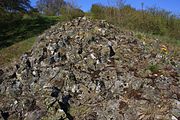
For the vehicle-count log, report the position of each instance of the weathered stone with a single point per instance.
(89, 70)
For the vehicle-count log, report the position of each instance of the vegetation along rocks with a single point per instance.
(89, 70)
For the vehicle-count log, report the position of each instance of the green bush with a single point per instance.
(34, 13)
(71, 13)
(6, 18)
(26, 16)
(153, 20)
(98, 11)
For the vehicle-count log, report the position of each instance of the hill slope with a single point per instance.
(19, 36)
(90, 70)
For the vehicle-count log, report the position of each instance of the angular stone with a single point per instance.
(89, 69)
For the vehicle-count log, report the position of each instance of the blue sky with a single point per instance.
(170, 5)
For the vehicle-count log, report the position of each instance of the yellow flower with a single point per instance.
(164, 49)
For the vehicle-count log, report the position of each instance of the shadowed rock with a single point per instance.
(55, 92)
(71, 73)
(5, 114)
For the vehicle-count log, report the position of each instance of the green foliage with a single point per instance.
(98, 11)
(26, 16)
(154, 68)
(13, 10)
(24, 28)
(19, 36)
(7, 19)
(9, 54)
(68, 9)
(34, 12)
(139, 36)
(153, 20)
(71, 13)
(50, 7)
(15, 5)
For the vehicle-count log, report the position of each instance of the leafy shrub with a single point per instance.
(26, 16)
(71, 13)
(98, 11)
(6, 19)
(34, 13)
(153, 20)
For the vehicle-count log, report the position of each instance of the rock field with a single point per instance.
(90, 70)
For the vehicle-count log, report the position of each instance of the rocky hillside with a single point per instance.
(90, 70)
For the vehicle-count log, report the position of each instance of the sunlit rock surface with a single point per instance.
(90, 70)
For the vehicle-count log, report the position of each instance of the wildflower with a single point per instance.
(164, 49)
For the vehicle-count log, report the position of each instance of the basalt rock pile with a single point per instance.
(90, 70)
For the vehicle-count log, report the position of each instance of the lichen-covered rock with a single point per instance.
(90, 70)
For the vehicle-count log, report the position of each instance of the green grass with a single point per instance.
(25, 28)
(164, 39)
(153, 68)
(13, 52)
(19, 36)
